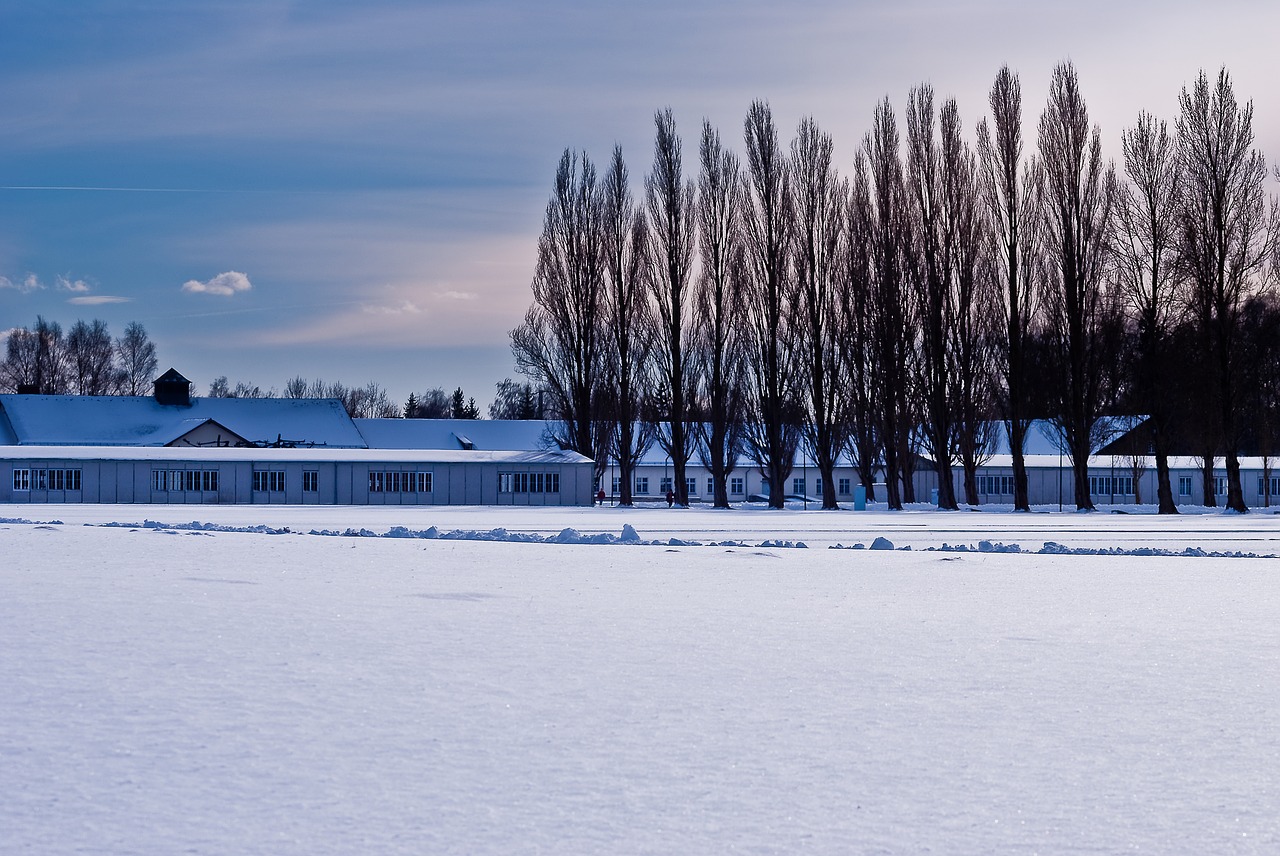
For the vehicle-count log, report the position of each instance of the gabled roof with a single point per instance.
(172, 376)
(478, 434)
(1043, 438)
(126, 420)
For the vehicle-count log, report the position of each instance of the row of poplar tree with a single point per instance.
(901, 308)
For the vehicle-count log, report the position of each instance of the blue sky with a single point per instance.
(354, 191)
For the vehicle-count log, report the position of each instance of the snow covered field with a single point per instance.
(168, 690)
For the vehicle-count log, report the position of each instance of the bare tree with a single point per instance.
(221, 387)
(1145, 262)
(1079, 194)
(672, 220)
(893, 312)
(773, 405)
(136, 357)
(861, 360)
(18, 371)
(1225, 239)
(628, 324)
(819, 217)
(36, 359)
(718, 344)
(91, 359)
(560, 342)
(973, 341)
(940, 202)
(511, 400)
(1011, 189)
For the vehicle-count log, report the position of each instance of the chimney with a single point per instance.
(173, 388)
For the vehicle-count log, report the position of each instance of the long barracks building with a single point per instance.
(172, 448)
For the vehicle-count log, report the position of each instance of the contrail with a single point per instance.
(75, 189)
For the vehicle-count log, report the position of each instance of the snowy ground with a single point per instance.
(169, 691)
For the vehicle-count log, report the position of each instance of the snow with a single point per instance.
(281, 455)
(113, 420)
(210, 691)
(483, 434)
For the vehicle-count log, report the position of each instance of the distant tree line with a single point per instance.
(755, 306)
(86, 360)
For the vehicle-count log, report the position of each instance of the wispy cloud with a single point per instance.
(406, 308)
(224, 284)
(78, 286)
(98, 300)
(456, 295)
(26, 285)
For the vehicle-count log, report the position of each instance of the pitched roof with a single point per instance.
(172, 376)
(1044, 438)
(126, 420)
(478, 434)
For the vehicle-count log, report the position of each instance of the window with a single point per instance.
(995, 485)
(192, 480)
(39, 479)
(843, 485)
(521, 482)
(691, 486)
(711, 486)
(22, 479)
(268, 481)
(1184, 485)
(665, 485)
(817, 486)
(736, 486)
(310, 481)
(394, 481)
(797, 486)
(1273, 483)
(617, 485)
(1111, 485)
(1219, 485)
(642, 485)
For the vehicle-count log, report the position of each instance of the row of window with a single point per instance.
(397, 482)
(1111, 485)
(737, 485)
(995, 485)
(46, 479)
(528, 482)
(269, 481)
(193, 480)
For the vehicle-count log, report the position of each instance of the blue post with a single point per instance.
(860, 498)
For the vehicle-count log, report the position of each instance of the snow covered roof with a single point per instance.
(479, 434)
(208, 454)
(1043, 437)
(7, 437)
(1121, 463)
(125, 420)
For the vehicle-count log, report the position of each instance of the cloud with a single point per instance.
(26, 285)
(456, 295)
(406, 308)
(224, 284)
(78, 286)
(98, 300)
